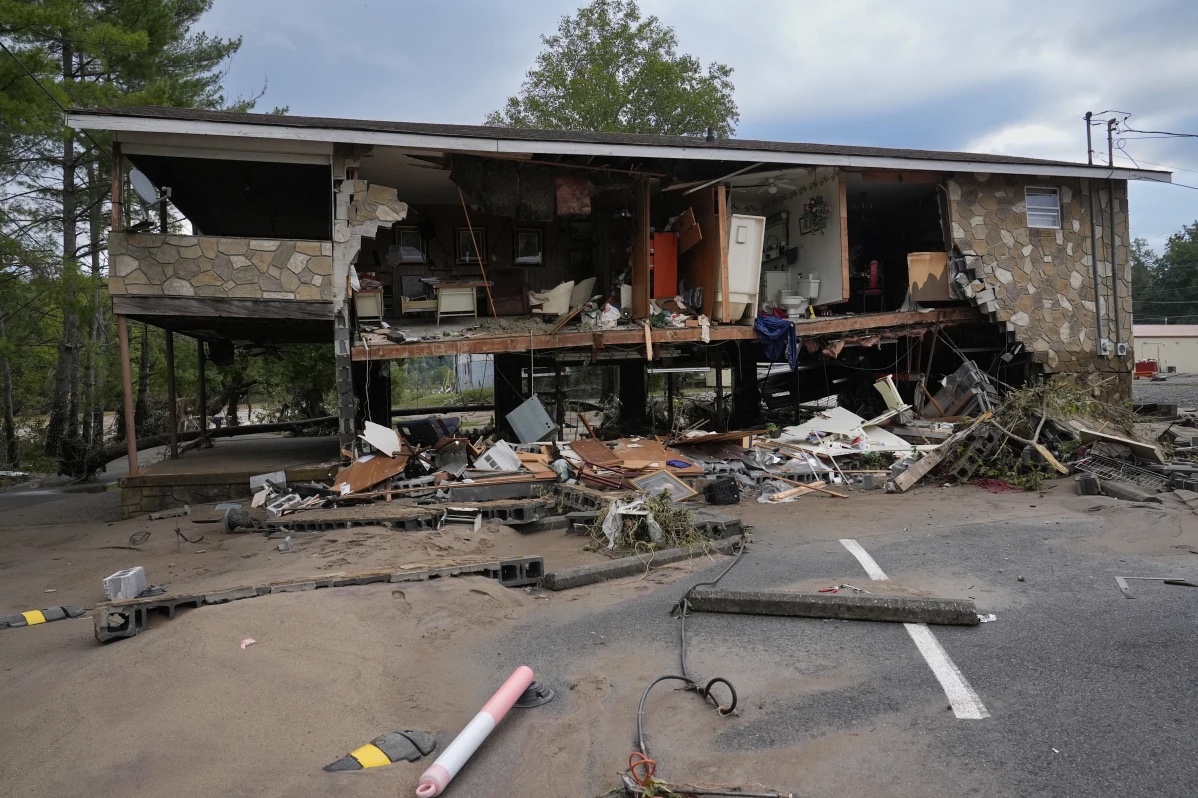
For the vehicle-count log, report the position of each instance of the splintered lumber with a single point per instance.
(895, 609)
(803, 487)
(920, 468)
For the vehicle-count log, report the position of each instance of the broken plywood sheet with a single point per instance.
(641, 453)
(1141, 449)
(385, 439)
(368, 471)
(595, 452)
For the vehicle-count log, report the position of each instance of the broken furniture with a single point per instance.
(455, 297)
(553, 302)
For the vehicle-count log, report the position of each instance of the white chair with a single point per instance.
(553, 302)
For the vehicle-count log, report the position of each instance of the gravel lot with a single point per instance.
(1178, 389)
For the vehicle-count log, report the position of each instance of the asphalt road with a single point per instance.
(1089, 693)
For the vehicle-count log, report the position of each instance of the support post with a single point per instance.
(633, 392)
(345, 379)
(746, 393)
(560, 392)
(118, 183)
(507, 387)
(122, 331)
(720, 425)
(202, 359)
(640, 252)
(670, 401)
(172, 396)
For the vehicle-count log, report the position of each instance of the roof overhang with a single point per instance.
(250, 132)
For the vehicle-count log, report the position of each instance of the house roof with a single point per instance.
(151, 119)
(1165, 330)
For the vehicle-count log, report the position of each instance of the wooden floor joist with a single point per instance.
(635, 336)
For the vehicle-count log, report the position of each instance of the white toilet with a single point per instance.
(806, 290)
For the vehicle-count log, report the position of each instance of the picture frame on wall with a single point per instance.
(806, 225)
(465, 245)
(528, 247)
(410, 246)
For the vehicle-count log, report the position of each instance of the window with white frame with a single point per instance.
(1043, 208)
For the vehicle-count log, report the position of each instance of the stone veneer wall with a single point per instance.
(1039, 283)
(206, 266)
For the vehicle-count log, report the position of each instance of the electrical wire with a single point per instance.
(688, 681)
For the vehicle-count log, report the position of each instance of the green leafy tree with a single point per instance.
(1165, 287)
(608, 69)
(71, 53)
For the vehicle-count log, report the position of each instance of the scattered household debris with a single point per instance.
(249, 641)
(1121, 581)
(125, 618)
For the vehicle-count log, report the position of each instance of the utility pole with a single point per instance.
(1089, 138)
(1110, 141)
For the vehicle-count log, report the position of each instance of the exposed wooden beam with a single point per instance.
(815, 328)
(122, 332)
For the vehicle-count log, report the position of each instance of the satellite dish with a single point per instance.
(145, 189)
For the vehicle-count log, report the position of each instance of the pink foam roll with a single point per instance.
(434, 780)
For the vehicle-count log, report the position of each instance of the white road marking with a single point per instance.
(964, 699)
(867, 562)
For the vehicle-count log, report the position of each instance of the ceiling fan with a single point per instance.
(772, 185)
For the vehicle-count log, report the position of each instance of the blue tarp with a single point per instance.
(777, 337)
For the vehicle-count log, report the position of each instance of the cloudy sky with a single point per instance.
(1010, 77)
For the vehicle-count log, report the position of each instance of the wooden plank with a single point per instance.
(640, 252)
(689, 233)
(636, 337)
(217, 307)
(595, 452)
(721, 212)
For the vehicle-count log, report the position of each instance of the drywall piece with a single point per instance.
(385, 439)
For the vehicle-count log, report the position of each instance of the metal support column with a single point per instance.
(172, 396)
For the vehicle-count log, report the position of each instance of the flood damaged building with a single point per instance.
(634, 252)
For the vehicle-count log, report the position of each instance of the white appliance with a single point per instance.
(806, 290)
(746, 241)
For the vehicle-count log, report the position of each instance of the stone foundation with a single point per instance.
(224, 268)
(1039, 283)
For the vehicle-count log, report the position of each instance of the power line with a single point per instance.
(61, 107)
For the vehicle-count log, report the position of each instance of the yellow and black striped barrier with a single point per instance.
(392, 747)
(34, 617)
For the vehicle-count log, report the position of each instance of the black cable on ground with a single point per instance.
(688, 681)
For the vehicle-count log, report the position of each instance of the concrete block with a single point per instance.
(631, 566)
(1088, 485)
(1117, 489)
(894, 609)
(125, 584)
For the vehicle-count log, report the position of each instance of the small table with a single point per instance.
(456, 298)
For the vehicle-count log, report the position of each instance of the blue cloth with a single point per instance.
(777, 337)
